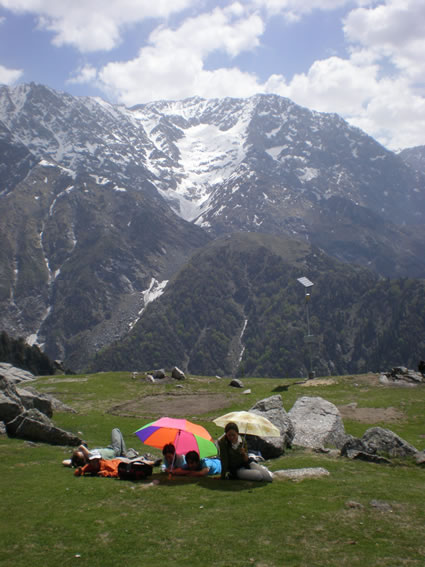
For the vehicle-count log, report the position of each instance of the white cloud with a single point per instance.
(9, 76)
(92, 25)
(393, 30)
(173, 64)
(292, 10)
(85, 74)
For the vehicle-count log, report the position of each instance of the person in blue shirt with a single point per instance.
(199, 467)
(171, 460)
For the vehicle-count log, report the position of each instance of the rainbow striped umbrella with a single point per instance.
(183, 434)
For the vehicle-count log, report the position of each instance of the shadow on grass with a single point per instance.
(211, 483)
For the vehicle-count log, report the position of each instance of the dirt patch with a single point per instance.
(173, 405)
(318, 382)
(371, 415)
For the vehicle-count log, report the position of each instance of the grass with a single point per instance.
(51, 518)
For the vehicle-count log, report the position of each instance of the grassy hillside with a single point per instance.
(51, 518)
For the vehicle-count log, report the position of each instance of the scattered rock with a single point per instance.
(353, 504)
(235, 383)
(247, 391)
(420, 458)
(300, 474)
(177, 374)
(401, 376)
(159, 374)
(380, 505)
(317, 423)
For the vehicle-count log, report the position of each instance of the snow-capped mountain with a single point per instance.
(98, 199)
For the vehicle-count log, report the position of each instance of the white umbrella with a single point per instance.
(249, 423)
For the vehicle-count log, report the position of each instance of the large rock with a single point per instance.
(10, 402)
(272, 409)
(33, 399)
(15, 375)
(177, 374)
(35, 426)
(401, 376)
(379, 440)
(376, 444)
(317, 423)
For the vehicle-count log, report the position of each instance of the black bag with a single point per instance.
(136, 470)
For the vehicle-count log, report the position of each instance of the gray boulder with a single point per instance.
(235, 383)
(376, 444)
(177, 374)
(401, 376)
(379, 440)
(33, 399)
(317, 423)
(159, 374)
(15, 375)
(272, 409)
(35, 426)
(10, 402)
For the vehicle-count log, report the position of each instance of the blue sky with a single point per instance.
(362, 59)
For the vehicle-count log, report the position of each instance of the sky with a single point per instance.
(361, 59)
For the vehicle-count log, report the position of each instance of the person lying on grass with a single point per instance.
(117, 448)
(171, 459)
(199, 467)
(108, 467)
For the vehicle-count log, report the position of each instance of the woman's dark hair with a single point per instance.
(77, 459)
(230, 426)
(168, 448)
(192, 457)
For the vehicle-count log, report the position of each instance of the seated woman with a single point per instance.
(235, 463)
(199, 467)
(171, 459)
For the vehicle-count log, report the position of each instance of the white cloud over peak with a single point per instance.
(173, 64)
(9, 76)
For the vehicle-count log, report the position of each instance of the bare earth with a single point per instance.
(371, 415)
(173, 405)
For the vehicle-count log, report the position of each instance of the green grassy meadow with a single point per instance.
(51, 518)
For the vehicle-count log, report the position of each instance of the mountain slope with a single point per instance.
(78, 254)
(261, 164)
(237, 308)
(100, 204)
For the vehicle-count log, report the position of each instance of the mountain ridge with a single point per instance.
(101, 203)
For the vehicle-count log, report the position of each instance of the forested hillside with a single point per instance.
(238, 309)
